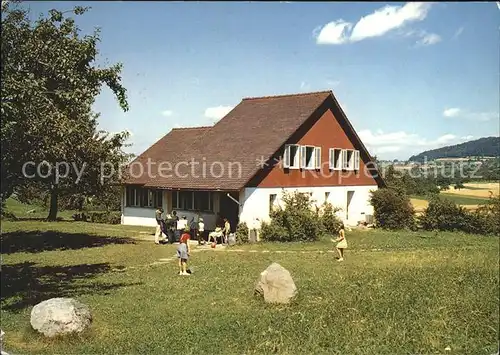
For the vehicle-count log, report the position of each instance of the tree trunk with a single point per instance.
(53, 203)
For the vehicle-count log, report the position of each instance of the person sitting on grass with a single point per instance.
(341, 243)
(183, 251)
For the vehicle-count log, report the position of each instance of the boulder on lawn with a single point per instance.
(276, 285)
(60, 316)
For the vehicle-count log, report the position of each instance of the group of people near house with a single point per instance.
(171, 228)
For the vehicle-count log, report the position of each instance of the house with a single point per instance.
(240, 166)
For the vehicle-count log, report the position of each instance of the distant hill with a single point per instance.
(482, 147)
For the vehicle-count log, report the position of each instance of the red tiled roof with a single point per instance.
(254, 130)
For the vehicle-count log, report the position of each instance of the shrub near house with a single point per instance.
(392, 209)
(299, 220)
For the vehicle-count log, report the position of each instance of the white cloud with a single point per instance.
(334, 32)
(167, 113)
(216, 113)
(466, 138)
(388, 149)
(422, 38)
(446, 138)
(451, 112)
(389, 18)
(176, 125)
(305, 86)
(376, 24)
(428, 39)
(458, 32)
(409, 143)
(456, 112)
(333, 83)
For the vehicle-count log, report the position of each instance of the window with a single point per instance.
(335, 159)
(307, 157)
(348, 157)
(141, 197)
(202, 201)
(301, 156)
(291, 156)
(193, 200)
(185, 200)
(272, 201)
(327, 195)
(352, 159)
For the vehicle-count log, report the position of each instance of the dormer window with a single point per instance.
(301, 157)
(291, 158)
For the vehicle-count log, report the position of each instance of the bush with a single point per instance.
(297, 221)
(392, 209)
(487, 217)
(273, 232)
(329, 221)
(7, 215)
(242, 233)
(111, 217)
(80, 217)
(445, 215)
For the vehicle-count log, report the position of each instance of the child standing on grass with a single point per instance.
(183, 251)
(341, 243)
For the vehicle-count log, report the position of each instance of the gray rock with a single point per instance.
(59, 316)
(276, 285)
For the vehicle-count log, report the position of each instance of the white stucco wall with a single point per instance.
(255, 202)
(135, 216)
(140, 216)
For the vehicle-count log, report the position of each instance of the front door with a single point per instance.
(230, 209)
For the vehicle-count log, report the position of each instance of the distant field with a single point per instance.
(472, 195)
(477, 189)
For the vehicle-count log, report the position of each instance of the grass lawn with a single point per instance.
(396, 293)
(25, 211)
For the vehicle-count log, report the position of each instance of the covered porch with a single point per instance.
(139, 205)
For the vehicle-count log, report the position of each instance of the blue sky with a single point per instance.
(411, 76)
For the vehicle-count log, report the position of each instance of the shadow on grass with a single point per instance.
(37, 241)
(26, 284)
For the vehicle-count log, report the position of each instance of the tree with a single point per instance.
(49, 83)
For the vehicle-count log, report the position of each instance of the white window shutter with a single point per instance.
(286, 157)
(317, 157)
(344, 159)
(356, 160)
(331, 157)
(303, 156)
